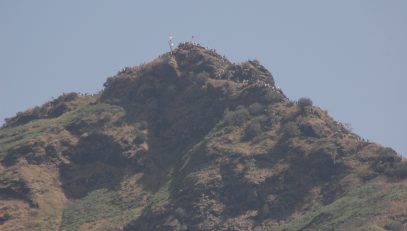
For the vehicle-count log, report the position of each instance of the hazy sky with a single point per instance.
(348, 56)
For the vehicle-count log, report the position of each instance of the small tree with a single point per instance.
(304, 102)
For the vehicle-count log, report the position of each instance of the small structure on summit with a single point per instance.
(191, 43)
(170, 42)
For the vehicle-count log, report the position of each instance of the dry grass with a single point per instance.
(47, 193)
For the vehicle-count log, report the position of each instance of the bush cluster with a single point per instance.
(399, 170)
(273, 97)
(237, 117)
(304, 102)
(253, 130)
(291, 129)
(389, 163)
(256, 109)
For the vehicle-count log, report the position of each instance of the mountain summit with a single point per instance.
(191, 141)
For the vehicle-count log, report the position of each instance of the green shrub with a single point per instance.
(256, 108)
(386, 151)
(67, 97)
(253, 130)
(400, 170)
(291, 129)
(237, 117)
(389, 163)
(272, 97)
(304, 102)
(109, 82)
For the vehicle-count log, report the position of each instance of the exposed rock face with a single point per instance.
(192, 141)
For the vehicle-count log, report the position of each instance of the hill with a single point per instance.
(191, 141)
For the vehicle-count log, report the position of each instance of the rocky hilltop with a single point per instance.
(191, 141)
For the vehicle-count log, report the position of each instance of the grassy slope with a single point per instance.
(105, 210)
(14, 136)
(100, 210)
(358, 209)
(366, 207)
(41, 179)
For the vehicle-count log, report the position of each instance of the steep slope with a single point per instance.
(191, 141)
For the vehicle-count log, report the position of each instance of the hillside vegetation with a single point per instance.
(191, 141)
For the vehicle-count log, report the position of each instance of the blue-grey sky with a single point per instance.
(348, 56)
